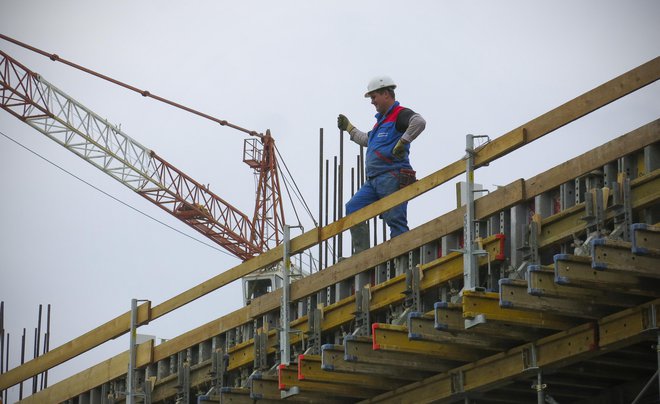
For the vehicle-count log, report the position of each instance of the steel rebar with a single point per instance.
(320, 246)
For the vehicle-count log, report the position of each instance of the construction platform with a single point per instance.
(565, 310)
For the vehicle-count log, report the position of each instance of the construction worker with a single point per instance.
(387, 164)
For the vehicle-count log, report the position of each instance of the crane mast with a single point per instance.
(49, 110)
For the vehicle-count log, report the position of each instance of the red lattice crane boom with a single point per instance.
(49, 110)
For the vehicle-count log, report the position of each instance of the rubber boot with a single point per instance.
(360, 237)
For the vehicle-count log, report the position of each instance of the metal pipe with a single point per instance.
(320, 195)
(646, 387)
(540, 388)
(657, 349)
(384, 230)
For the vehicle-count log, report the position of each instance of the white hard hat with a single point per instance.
(379, 82)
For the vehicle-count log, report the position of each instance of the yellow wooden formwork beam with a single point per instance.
(574, 270)
(388, 337)
(361, 349)
(288, 380)
(617, 256)
(488, 304)
(630, 326)
(333, 359)
(422, 327)
(449, 316)
(309, 368)
(645, 238)
(514, 294)
(541, 282)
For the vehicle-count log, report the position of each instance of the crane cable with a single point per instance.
(145, 93)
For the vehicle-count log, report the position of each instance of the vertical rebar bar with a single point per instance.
(20, 388)
(327, 196)
(334, 212)
(2, 338)
(340, 195)
(37, 346)
(46, 346)
(7, 365)
(352, 181)
(362, 171)
(320, 195)
(132, 354)
(384, 230)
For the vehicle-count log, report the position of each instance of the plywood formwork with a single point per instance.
(434, 355)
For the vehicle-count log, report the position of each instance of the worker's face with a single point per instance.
(382, 101)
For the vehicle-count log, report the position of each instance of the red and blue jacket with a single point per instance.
(382, 139)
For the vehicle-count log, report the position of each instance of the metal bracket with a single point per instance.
(362, 317)
(413, 299)
(183, 381)
(457, 382)
(314, 333)
(261, 350)
(529, 358)
(290, 392)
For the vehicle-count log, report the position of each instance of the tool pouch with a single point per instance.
(406, 177)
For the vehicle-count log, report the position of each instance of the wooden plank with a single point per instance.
(546, 123)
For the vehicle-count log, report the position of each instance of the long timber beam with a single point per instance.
(586, 103)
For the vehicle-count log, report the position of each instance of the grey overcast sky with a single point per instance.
(480, 67)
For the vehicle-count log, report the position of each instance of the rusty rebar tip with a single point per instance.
(54, 57)
(145, 93)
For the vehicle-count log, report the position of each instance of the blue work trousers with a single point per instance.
(375, 189)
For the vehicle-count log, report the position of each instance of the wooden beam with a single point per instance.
(422, 327)
(288, 379)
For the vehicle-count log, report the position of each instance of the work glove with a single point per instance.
(344, 124)
(399, 150)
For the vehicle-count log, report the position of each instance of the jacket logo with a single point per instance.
(381, 134)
